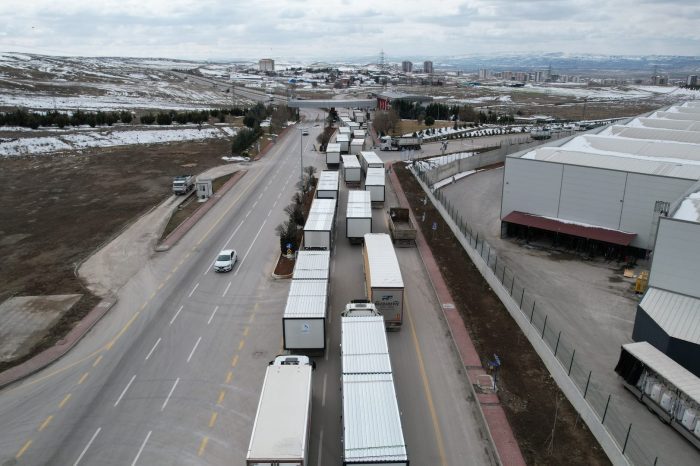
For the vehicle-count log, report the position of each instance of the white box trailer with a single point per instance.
(344, 130)
(360, 116)
(327, 187)
(283, 421)
(369, 159)
(372, 432)
(332, 154)
(357, 146)
(304, 319)
(358, 216)
(344, 141)
(352, 172)
(353, 126)
(375, 183)
(312, 265)
(345, 121)
(359, 134)
(383, 281)
(318, 229)
(363, 345)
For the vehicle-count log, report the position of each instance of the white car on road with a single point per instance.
(225, 260)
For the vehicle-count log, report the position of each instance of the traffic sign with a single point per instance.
(434, 226)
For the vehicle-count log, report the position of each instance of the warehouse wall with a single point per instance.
(591, 195)
(531, 186)
(676, 262)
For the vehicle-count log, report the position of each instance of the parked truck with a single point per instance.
(403, 233)
(283, 421)
(183, 184)
(399, 143)
(383, 281)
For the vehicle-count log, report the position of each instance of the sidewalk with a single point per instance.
(491, 409)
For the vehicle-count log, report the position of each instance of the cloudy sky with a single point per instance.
(336, 29)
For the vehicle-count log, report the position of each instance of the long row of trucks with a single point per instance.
(371, 166)
(347, 141)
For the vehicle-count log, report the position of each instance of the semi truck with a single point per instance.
(399, 143)
(183, 184)
(283, 421)
(403, 233)
(383, 281)
(358, 217)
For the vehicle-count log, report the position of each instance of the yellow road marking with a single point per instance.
(222, 394)
(251, 318)
(162, 284)
(97, 361)
(64, 401)
(212, 420)
(245, 331)
(124, 329)
(82, 378)
(203, 446)
(234, 361)
(45, 423)
(176, 267)
(241, 344)
(229, 376)
(153, 295)
(23, 449)
(426, 387)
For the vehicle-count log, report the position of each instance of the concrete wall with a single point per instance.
(676, 263)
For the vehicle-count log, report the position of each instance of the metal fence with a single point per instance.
(627, 440)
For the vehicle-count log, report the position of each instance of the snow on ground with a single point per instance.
(12, 147)
(487, 130)
(432, 162)
(689, 208)
(600, 93)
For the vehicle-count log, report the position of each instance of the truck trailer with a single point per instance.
(318, 229)
(282, 424)
(183, 184)
(358, 217)
(304, 319)
(399, 143)
(344, 141)
(383, 281)
(332, 154)
(327, 187)
(403, 233)
(375, 183)
(357, 146)
(312, 265)
(352, 172)
(369, 159)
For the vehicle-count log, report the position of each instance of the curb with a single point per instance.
(53, 354)
(499, 430)
(280, 277)
(187, 224)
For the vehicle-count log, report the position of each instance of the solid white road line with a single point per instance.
(193, 290)
(320, 447)
(249, 248)
(249, 212)
(226, 290)
(323, 397)
(126, 388)
(175, 316)
(165, 403)
(194, 348)
(154, 348)
(92, 439)
(143, 445)
(212, 315)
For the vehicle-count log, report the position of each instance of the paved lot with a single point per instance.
(586, 300)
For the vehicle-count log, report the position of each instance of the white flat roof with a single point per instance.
(307, 299)
(674, 115)
(350, 161)
(343, 138)
(321, 215)
(678, 315)
(333, 147)
(311, 265)
(660, 134)
(667, 368)
(357, 142)
(280, 427)
(371, 420)
(375, 176)
(363, 345)
(327, 181)
(384, 269)
(371, 157)
(359, 204)
(642, 122)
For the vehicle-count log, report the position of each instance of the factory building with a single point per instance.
(384, 99)
(266, 65)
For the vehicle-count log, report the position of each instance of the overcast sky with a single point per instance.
(337, 29)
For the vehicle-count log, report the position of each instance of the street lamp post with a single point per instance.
(301, 160)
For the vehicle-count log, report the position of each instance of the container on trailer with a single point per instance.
(344, 141)
(363, 347)
(327, 187)
(357, 146)
(352, 172)
(383, 281)
(283, 421)
(318, 229)
(344, 130)
(375, 183)
(359, 134)
(360, 116)
(353, 126)
(345, 121)
(304, 320)
(369, 159)
(312, 265)
(332, 154)
(358, 217)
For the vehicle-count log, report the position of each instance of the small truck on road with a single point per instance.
(403, 233)
(183, 184)
(400, 143)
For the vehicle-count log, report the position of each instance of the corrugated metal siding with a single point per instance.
(384, 269)
(692, 137)
(375, 177)
(678, 116)
(677, 314)
(333, 147)
(664, 124)
(359, 204)
(311, 265)
(532, 187)
(327, 181)
(307, 299)
(371, 158)
(321, 215)
(350, 161)
(592, 196)
(676, 262)
(371, 420)
(363, 347)
(666, 367)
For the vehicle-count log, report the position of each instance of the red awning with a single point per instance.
(584, 231)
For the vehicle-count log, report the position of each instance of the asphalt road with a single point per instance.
(172, 374)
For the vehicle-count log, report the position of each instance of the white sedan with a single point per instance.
(226, 260)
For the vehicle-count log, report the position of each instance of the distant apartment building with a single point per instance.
(406, 66)
(427, 67)
(484, 74)
(520, 76)
(692, 80)
(266, 65)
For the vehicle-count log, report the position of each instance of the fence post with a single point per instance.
(521, 298)
(503, 276)
(495, 264)
(532, 314)
(488, 258)
(627, 437)
(571, 364)
(545, 325)
(605, 412)
(585, 392)
(556, 347)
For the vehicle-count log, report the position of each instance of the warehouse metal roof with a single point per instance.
(667, 368)
(375, 177)
(371, 420)
(359, 204)
(321, 215)
(327, 181)
(363, 346)
(350, 161)
(639, 149)
(678, 315)
(310, 265)
(384, 269)
(307, 299)
(674, 115)
(570, 228)
(664, 124)
(661, 134)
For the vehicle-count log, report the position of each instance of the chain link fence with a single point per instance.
(632, 447)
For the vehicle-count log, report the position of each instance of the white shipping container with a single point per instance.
(344, 141)
(327, 187)
(363, 347)
(375, 184)
(357, 146)
(332, 154)
(318, 230)
(369, 159)
(359, 134)
(304, 320)
(358, 217)
(312, 265)
(351, 169)
(383, 281)
(344, 130)
(283, 420)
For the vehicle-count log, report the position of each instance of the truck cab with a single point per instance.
(292, 360)
(386, 143)
(360, 308)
